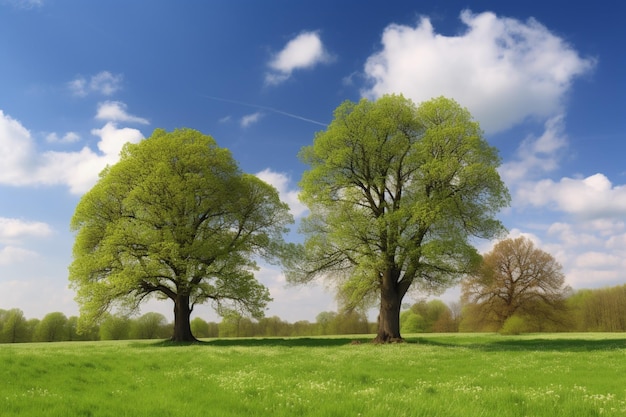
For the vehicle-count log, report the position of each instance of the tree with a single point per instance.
(115, 327)
(13, 326)
(149, 326)
(516, 278)
(52, 328)
(326, 322)
(598, 310)
(432, 312)
(395, 192)
(352, 322)
(411, 322)
(229, 326)
(175, 218)
(199, 327)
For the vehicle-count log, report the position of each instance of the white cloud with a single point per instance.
(304, 51)
(11, 229)
(104, 83)
(537, 155)
(69, 137)
(281, 182)
(593, 197)
(80, 170)
(250, 119)
(21, 163)
(571, 238)
(597, 260)
(503, 70)
(17, 151)
(115, 111)
(24, 4)
(12, 255)
(617, 242)
(592, 252)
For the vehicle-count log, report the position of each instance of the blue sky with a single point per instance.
(546, 81)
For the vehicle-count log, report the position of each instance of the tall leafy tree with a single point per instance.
(175, 218)
(516, 278)
(52, 328)
(13, 326)
(395, 193)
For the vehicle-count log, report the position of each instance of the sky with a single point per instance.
(546, 80)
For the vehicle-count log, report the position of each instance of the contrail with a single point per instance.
(270, 109)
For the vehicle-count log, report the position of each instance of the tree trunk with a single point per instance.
(389, 316)
(182, 324)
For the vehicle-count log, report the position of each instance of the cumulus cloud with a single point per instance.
(69, 137)
(12, 229)
(21, 163)
(593, 197)
(24, 4)
(304, 51)
(250, 119)
(573, 237)
(12, 255)
(592, 252)
(115, 111)
(17, 151)
(537, 155)
(598, 260)
(288, 195)
(503, 70)
(104, 83)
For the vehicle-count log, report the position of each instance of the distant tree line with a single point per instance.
(56, 327)
(598, 310)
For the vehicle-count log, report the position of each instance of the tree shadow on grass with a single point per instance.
(269, 342)
(478, 342)
(564, 344)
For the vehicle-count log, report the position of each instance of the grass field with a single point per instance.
(433, 375)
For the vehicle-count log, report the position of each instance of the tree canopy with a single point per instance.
(175, 218)
(395, 192)
(516, 279)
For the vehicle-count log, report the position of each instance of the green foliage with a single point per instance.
(432, 316)
(411, 322)
(199, 327)
(444, 375)
(395, 192)
(14, 327)
(150, 326)
(326, 322)
(599, 310)
(514, 325)
(115, 327)
(52, 328)
(175, 218)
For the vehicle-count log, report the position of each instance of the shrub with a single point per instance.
(514, 325)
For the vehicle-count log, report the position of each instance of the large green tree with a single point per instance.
(395, 193)
(175, 218)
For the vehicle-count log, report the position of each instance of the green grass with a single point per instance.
(433, 375)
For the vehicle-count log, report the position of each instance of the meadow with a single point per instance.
(431, 375)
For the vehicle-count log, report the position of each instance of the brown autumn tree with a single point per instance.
(516, 278)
